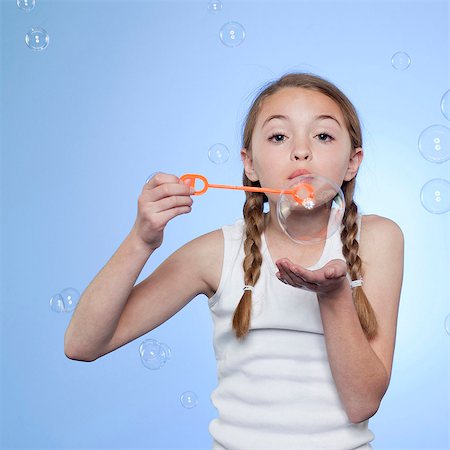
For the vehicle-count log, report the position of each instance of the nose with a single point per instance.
(300, 151)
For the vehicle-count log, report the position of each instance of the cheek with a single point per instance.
(266, 168)
(333, 170)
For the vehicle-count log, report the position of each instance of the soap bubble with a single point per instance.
(315, 211)
(435, 196)
(37, 39)
(215, 6)
(400, 60)
(434, 143)
(447, 324)
(189, 399)
(232, 34)
(154, 354)
(26, 5)
(70, 298)
(218, 153)
(445, 105)
(65, 301)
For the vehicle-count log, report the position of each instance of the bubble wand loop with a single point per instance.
(294, 192)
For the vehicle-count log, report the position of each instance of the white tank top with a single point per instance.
(275, 389)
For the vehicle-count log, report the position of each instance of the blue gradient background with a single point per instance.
(125, 89)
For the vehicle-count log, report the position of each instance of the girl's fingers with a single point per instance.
(299, 272)
(301, 277)
(284, 275)
(288, 277)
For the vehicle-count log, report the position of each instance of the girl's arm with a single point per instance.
(362, 370)
(112, 313)
(111, 306)
(96, 316)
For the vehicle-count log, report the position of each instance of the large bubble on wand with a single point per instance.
(310, 209)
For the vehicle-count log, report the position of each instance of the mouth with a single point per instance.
(299, 173)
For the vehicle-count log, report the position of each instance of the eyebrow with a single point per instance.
(318, 117)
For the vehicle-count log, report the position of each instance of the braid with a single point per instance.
(254, 222)
(350, 248)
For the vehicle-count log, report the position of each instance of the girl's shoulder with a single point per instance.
(375, 234)
(209, 253)
(373, 224)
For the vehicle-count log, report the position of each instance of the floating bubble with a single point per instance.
(65, 301)
(435, 196)
(26, 5)
(434, 143)
(37, 39)
(215, 6)
(400, 60)
(189, 399)
(445, 105)
(232, 34)
(218, 153)
(70, 298)
(154, 354)
(447, 324)
(315, 211)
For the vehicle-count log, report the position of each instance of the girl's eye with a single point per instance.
(277, 135)
(326, 134)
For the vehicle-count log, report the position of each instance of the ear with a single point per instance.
(354, 163)
(248, 165)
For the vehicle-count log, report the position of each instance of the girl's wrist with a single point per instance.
(342, 293)
(138, 244)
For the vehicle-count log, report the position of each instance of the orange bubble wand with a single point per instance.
(307, 202)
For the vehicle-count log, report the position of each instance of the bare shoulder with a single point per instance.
(378, 232)
(208, 250)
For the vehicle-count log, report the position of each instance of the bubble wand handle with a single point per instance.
(193, 176)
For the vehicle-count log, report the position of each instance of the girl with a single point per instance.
(304, 335)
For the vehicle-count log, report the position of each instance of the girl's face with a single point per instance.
(297, 138)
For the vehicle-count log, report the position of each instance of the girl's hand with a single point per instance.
(163, 197)
(329, 279)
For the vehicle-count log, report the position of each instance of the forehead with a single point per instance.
(298, 103)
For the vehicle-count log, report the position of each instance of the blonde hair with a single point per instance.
(253, 209)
